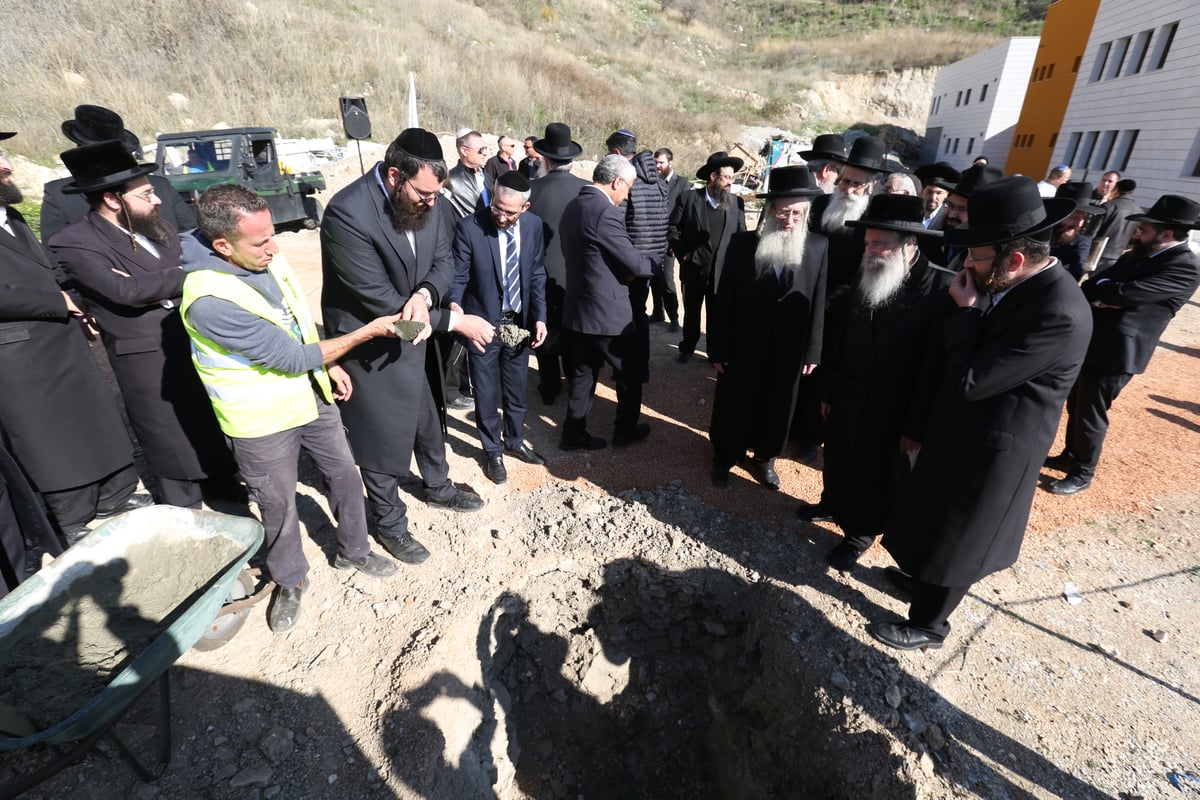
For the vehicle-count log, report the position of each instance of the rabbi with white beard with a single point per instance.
(765, 328)
(882, 375)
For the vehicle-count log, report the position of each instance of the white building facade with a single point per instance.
(976, 104)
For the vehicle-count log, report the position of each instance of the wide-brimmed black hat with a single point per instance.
(419, 143)
(718, 160)
(868, 152)
(940, 175)
(100, 166)
(895, 212)
(1081, 193)
(7, 135)
(1007, 209)
(974, 177)
(828, 146)
(795, 181)
(557, 144)
(1171, 210)
(94, 124)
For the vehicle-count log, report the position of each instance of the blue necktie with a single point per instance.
(512, 274)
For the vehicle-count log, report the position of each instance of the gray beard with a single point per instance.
(779, 249)
(843, 208)
(880, 279)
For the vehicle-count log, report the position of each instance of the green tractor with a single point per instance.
(194, 161)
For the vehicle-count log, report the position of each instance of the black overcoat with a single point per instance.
(764, 332)
(700, 264)
(60, 417)
(138, 316)
(962, 515)
(882, 379)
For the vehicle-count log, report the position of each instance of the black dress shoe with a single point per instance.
(764, 472)
(843, 556)
(1072, 484)
(584, 442)
(459, 501)
(902, 637)
(134, 501)
(813, 512)
(285, 608)
(495, 470)
(74, 534)
(371, 564)
(636, 434)
(525, 453)
(403, 547)
(683, 357)
(900, 580)
(1064, 461)
(461, 403)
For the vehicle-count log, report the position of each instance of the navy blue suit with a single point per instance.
(500, 372)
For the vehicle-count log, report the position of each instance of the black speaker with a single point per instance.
(354, 117)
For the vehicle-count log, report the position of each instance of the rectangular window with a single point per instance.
(1120, 48)
(1125, 150)
(967, 98)
(1072, 148)
(955, 150)
(1101, 61)
(983, 93)
(958, 101)
(970, 145)
(1104, 147)
(1138, 55)
(1075, 65)
(1053, 140)
(1084, 154)
(1166, 36)
(947, 145)
(1049, 72)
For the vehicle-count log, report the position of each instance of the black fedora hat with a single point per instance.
(1007, 209)
(868, 152)
(940, 175)
(1081, 193)
(98, 124)
(974, 177)
(895, 212)
(7, 135)
(795, 181)
(1171, 210)
(828, 146)
(100, 166)
(718, 160)
(419, 143)
(557, 144)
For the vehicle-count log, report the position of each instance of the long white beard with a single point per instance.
(881, 278)
(779, 249)
(843, 208)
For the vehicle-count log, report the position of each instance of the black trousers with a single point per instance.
(1087, 415)
(932, 606)
(71, 508)
(662, 287)
(588, 353)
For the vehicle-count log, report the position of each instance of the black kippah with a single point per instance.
(514, 180)
(419, 143)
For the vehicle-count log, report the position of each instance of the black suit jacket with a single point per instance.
(60, 210)
(601, 263)
(1147, 293)
(548, 196)
(699, 262)
(479, 268)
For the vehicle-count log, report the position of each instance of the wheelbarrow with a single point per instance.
(89, 634)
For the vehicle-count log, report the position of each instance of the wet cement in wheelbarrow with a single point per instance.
(63, 653)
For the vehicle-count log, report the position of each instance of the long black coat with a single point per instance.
(61, 419)
(21, 519)
(764, 332)
(147, 345)
(1147, 293)
(370, 271)
(60, 210)
(700, 263)
(963, 513)
(548, 196)
(882, 379)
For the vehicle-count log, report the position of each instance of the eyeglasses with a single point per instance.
(424, 197)
(849, 184)
(500, 212)
(784, 216)
(969, 256)
(145, 196)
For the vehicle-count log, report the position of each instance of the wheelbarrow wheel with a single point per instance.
(227, 624)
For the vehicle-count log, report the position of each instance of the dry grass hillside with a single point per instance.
(682, 72)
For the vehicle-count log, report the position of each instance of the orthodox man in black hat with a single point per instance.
(123, 258)
(765, 328)
(702, 224)
(91, 125)
(384, 251)
(1069, 243)
(1011, 352)
(499, 275)
(881, 375)
(62, 422)
(1132, 303)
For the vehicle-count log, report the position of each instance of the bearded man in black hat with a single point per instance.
(548, 197)
(63, 425)
(124, 259)
(702, 224)
(1011, 351)
(384, 251)
(1132, 303)
(765, 328)
(1069, 243)
(881, 376)
(825, 160)
(91, 125)
(956, 214)
(938, 180)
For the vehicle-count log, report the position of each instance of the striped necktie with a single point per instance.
(512, 273)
